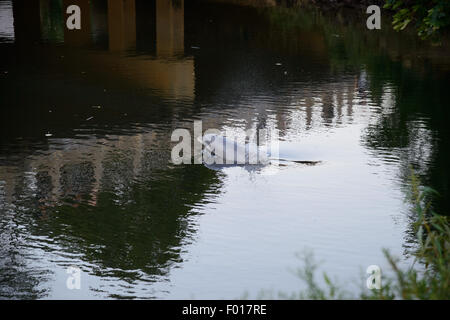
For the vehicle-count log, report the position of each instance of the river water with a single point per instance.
(86, 117)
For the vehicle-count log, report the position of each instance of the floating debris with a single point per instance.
(90, 118)
(48, 134)
(193, 47)
(278, 64)
(96, 107)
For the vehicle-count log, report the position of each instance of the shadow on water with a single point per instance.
(86, 118)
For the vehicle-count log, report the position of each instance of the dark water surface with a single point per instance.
(85, 124)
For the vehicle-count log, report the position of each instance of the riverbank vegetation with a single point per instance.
(430, 19)
(428, 277)
(432, 237)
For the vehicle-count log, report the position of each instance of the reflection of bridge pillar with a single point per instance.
(169, 27)
(139, 147)
(282, 122)
(27, 21)
(309, 104)
(8, 175)
(99, 21)
(327, 107)
(350, 96)
(339, 103)
(52, 21)
(121, 24)
(82, 36)
(98, 173)
(55, 165)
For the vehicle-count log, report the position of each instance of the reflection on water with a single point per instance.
(85, 125)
